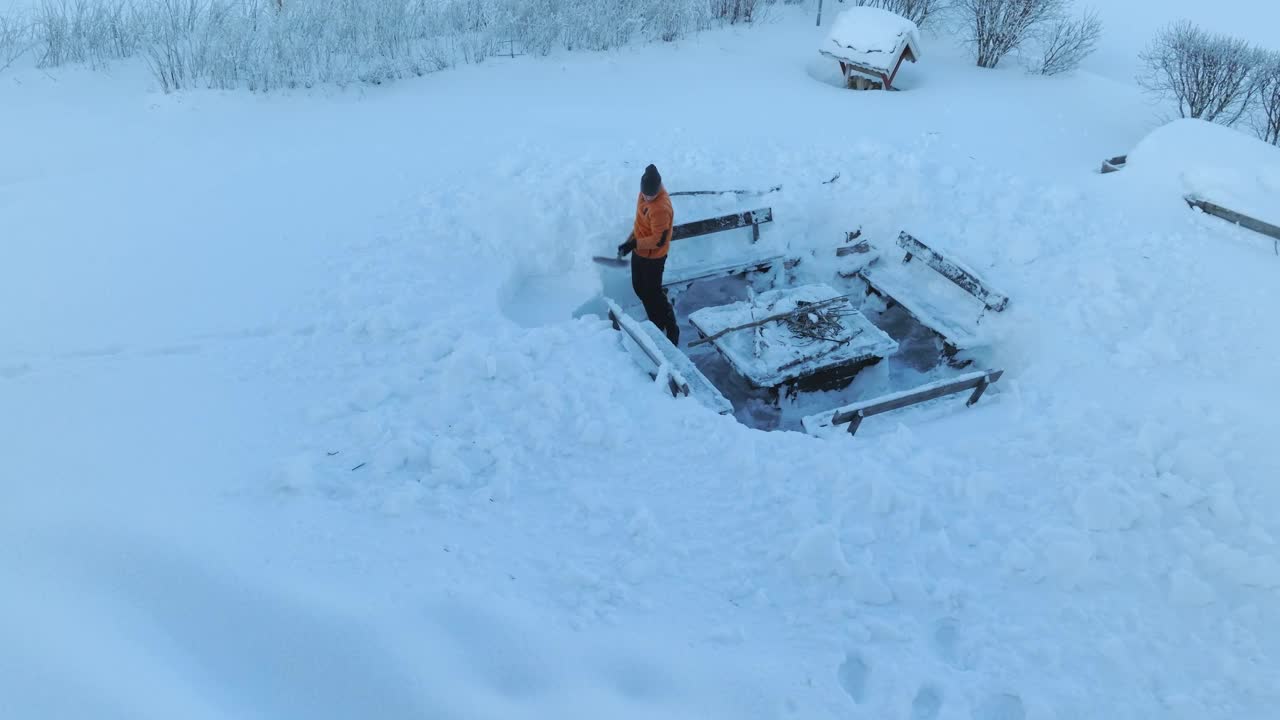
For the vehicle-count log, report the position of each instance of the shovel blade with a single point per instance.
(610, 261)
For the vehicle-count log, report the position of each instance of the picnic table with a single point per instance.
(772, 355)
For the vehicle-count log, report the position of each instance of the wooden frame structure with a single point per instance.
(1244, 221)
(853, 415)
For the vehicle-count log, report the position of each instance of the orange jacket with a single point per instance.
(654, 222)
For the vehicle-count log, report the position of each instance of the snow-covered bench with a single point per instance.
(683, 377)
(933, 299)
(679, 277)
(853, 415)
(1231, 216)
(1115, 164)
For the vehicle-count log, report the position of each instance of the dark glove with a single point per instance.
(625, 248)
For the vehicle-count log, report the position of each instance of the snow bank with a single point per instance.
(1214, 163)
(872, 37)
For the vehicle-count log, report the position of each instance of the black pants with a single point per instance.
(646, 280)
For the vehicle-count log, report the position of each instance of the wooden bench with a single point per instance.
(684, 379)
(932, 304)
(748, 218)
(1244, 221)
(1115, 164)
(854, 414)
(756, 260)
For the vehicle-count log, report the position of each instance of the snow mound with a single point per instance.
(1214, 163)
(872, 37)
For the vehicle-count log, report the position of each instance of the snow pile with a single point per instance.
(872, 38)
(298, 420)
(1211, 162)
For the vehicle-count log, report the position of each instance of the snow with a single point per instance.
(299, 420)
(1206, 161)
(872, 38)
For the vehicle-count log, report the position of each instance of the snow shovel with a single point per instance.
(615, 262)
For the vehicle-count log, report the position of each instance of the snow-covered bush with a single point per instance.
(87, 31)
(734, 11)
(1066, 42)
(917, 11)
(997, 27)
(1211, 77)
(15, 40)
(268, 44)
(1266, 120)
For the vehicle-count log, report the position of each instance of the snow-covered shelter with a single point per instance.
(871, 44)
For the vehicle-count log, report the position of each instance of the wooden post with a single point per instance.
(854, 422)
(977, 392)
(819, 13)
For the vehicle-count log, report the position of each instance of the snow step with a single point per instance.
(853, 415)
(684, 379)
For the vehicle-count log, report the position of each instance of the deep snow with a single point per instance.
(298, 420)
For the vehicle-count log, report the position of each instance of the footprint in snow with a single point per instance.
(1001, 707)
(927, 703)
(946, 644)
(853, 677)
(10, 372)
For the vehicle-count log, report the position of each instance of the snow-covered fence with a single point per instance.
(267, 44)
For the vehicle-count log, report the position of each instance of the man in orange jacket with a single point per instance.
(650, 240)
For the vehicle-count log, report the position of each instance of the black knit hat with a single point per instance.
(651, 181)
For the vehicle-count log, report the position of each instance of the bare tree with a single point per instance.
(1209, 76)
(1067, 41)
(917, 11)
(997, 27)
(15, 40)
(1266, 119)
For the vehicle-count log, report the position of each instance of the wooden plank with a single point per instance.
(698, 228)
(677, 383)
(853, 415)
(685, 276)
(967, 281)
(699, 387)
(933, 391)
(1236, 218)
(685, 379)
(1114, 164)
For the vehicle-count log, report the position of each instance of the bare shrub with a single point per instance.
(917, 11)
(15, 40)
(270, 44)
(1266, 119)
(997, 27)
(1209, 76)
(1067, 41)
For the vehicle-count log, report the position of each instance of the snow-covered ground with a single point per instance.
(298, 420)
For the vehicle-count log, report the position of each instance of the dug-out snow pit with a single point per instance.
(533, 299)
